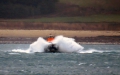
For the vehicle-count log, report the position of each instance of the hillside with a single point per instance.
(111, 4)
(87, 7)
(88, 14)
(57, 8)
(88, 21)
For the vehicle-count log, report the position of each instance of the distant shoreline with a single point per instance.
(87, 43)
(66, 33)
(83, 37)
(80, 40)
(71, 26)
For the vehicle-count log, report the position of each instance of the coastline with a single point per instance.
(87, 43)
(67, 33)
(81, 36)
(80, 40)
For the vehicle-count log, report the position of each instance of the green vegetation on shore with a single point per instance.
(26, 8)
(91, 18)
(111, 4)
(10, 9)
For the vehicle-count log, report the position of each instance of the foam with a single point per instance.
(64, 44)
(21, 51)
(91, 51)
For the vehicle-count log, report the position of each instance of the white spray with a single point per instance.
(64, 44)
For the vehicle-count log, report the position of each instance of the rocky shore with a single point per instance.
(81, 40)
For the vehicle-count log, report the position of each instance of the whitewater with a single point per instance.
(64, 44)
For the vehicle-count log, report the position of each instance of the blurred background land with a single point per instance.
(84, 37)
(63, 15)
(58, 8)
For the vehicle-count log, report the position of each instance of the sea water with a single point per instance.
(93, 60)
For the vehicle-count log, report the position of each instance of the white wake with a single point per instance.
(91, 51)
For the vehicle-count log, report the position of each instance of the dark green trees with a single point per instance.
(25, 8)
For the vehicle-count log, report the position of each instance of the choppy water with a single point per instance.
(95, 60)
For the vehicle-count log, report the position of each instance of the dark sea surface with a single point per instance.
(94, 60)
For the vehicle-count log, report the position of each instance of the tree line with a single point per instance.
(25, 8)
